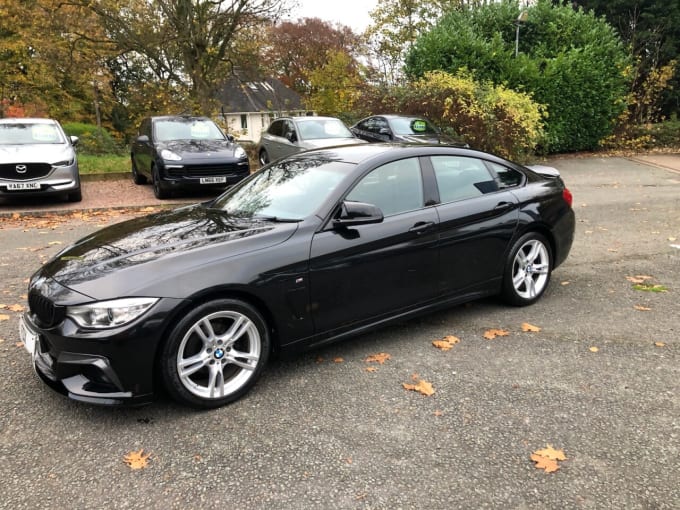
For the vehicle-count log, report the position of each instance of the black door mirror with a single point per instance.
(357, 213)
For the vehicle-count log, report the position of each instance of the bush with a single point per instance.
(92, 140)
(488, 117)
(571, 62)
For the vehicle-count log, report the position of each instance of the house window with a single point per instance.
(244, 121)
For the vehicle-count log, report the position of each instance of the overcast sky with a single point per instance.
(353, 13)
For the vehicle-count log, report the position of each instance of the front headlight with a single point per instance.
(240, 153)
(66, 162)
(110, 314)
(170, 156)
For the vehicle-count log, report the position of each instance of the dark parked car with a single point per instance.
(401, 128)
(311, 249)
(179, 152)
(37, 159)
(288, 135)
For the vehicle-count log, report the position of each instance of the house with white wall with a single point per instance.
(249, 105)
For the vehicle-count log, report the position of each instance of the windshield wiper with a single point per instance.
(276, 219)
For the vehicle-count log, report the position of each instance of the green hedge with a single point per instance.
(93, 140)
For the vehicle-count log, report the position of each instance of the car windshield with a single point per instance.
(412, 126)
(29, 134)
(319, 129)
(288, 190)
(186, 129)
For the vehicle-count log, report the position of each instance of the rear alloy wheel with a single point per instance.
(264, 157)
(527, 270)
(215, 354)
(159, 190)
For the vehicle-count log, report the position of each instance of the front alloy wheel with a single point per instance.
(528, 270)
(215, 354)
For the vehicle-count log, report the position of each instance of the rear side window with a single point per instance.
(459, 178)
(507, 177)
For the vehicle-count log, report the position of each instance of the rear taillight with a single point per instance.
(568, 198)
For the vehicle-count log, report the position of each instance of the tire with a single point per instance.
(75, 196)
(527, 270)
(215, 354)
(263, 158)
(159, 190)
(137, 178)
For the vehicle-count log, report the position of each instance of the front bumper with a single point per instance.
(199, 175)
(60, 181)
(106, 367)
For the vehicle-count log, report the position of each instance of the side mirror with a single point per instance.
(230, 137)
(74, 140)
(143, 139)
(357, 213)
(291, 136)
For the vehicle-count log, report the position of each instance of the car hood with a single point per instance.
(35, 153)
(132, 255)
(430, 139)
(200, 149)
(329, 142)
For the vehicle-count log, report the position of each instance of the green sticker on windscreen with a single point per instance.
(419, 126)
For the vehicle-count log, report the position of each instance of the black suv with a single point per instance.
(181, 152)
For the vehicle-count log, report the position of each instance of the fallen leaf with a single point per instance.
(659, 344)
(593, 349)
(446, 343)
(642, 308)
(16, 308)
(529, 328)
(671, 239)
(338, 360)
(648, 287)
(137, 460)
(493, 333)
(19, 344)
(381, 358)
(638, 278)
(438, 412)
(53, 243)
(550, 453)
(371, 369)
(320, 359)
(548, 465)
(4, 317)
(423, 387)
(565, 283)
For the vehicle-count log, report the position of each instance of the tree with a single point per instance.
(296, 49)
(651, 28)
(45, 65)
(335, 86)
(570, 61)
(183, 40)
(396, 26)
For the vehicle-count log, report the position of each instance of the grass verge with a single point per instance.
(104, 164)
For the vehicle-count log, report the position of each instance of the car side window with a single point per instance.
(460, 177)
(507, 177)
(276, 128)
(395, 188)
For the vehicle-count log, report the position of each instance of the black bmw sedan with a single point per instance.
(311, 249)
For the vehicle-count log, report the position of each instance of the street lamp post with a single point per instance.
(522, 18)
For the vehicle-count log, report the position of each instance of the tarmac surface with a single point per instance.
(329, 430)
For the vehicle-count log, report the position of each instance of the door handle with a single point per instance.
(421, 227)
(502, 206)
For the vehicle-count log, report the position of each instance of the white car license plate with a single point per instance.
(213, 180)
(28, 337)
(18, 186)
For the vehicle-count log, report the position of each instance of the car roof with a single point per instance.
(27, 120)
(359, 153)
(180, 117)
(303, 118)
